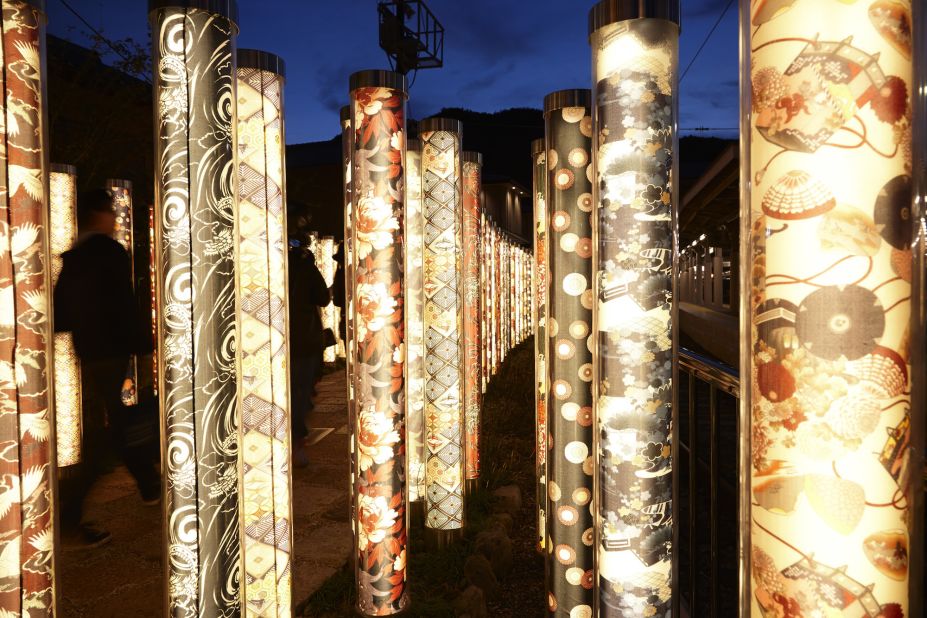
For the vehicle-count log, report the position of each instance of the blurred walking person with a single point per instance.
(94, 299)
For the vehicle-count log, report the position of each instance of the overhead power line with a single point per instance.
(99, 34)
(705, 42)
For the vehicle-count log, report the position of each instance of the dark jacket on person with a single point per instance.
(308, 292)
(94, 299)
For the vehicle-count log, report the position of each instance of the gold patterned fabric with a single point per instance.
(68, 403)
(195, 198)
(262, 317)
(830, 455)
(415, 324)
(635, 72)
(124, 235)
(27, 536)
(444, 415)
(473, 344)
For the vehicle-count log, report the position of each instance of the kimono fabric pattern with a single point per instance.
(415, 322)
(539, 158)
(444, 415)
(634, 75)
(27, 537)
(570, 461)
(472, 206)
(830, 455)
(195, 196)
(262, 307)
(380, 518)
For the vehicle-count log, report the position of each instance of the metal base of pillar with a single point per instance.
(437, 540)
(472, 486)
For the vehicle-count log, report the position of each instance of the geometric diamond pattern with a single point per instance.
(441, 191)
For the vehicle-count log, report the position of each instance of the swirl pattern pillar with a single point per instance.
(539, 158)
(635, 52)
(125, 236)
(195, 197)
(378, 104)
(832, 448)
(264, 389)
(473, 343)
(415, 321)
(568, 119)
(445, 456)
(62, 234)
(27, 467)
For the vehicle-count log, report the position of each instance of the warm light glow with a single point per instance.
(470, 264)
(326, 253)
(415, 323)
(569, 459)
(28, 541)
(830, 455)
(195, 233)
(153, 276)
(378, 112)
(443, 282)
(262, 325)
(124, 235)
(62, 234)
(635, 73)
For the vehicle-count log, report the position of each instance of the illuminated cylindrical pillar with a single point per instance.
(485, 331)
(195, 196)
(444, 416)
(62, 234)
(568, 124)
(539, 158)
(635, 52)
(153, 291)
(124, 234)
(415, 322)
(832, 449)
(347, 151)
(473, 343)
(378, 104)
(327, 268)
(263, 326)
(28, 469)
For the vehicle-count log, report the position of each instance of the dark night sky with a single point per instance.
(498, 53)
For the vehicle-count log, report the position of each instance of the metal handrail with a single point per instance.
(708, 370)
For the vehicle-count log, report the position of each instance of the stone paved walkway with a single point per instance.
(124, 578)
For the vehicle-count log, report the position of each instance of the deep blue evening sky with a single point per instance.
(498, 53)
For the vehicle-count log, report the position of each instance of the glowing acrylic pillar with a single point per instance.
(539, 158)
(415, 322)
(62, 234)
(347, 151)
(125, 236)
(153, 291)
(264, 389)
(378, 104)
(473, 344)
(444, 414)
(484, 303)
(568, 120)
(327, 268)
(27, 536)
(195, 198)
(635, 50)
(832, 447)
